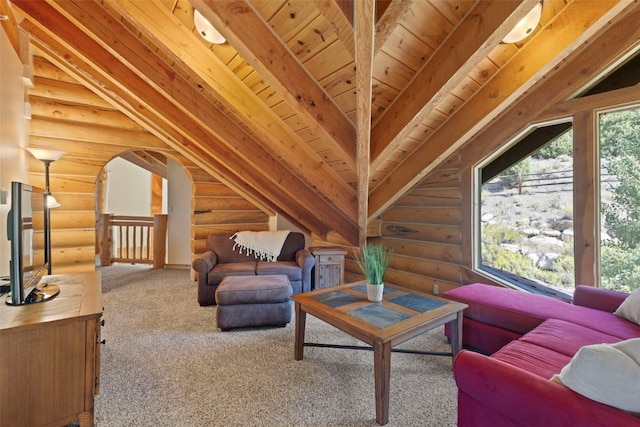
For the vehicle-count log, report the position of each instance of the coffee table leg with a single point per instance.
(301, 320)
(382, 373)
(456, 335)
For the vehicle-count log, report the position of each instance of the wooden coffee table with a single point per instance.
(403, 314)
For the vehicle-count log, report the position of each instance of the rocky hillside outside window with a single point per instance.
(525, 218)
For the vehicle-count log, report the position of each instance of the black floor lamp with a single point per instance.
(47, 157)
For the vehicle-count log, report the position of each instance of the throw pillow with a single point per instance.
(606, 373)
(630, 308)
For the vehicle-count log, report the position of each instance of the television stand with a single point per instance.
(50, 353)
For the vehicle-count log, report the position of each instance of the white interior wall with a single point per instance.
(128, 189)
(13, 137)
(179, 210)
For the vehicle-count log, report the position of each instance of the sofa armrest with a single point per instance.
(306, 261)
(598, 298)
(203, 263)
(527, 399)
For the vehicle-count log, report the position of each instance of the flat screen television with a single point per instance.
(27, 229)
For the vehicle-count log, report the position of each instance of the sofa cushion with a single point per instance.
(565, 337)
(288, 268)
(606, 373)
(532, 358)
(630, 308)
(521, 312)
(219, 271)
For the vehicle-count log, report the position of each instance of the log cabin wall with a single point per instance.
(423, 230)
(68, 117)
(218, 208)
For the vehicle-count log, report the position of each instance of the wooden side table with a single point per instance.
(329, 268)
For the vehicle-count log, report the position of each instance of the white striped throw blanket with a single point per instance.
(266, 245)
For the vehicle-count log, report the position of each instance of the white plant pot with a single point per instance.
(374, 292)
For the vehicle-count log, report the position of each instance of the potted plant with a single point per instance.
(374, 261)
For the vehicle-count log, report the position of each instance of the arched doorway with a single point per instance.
(141, 183)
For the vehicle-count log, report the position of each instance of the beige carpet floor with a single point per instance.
(166, 364)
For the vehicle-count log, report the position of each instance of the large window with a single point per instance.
(525, 232)
(526, 213)
(619, 133)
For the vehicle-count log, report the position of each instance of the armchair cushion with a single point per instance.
(287, 268)
(221, 270)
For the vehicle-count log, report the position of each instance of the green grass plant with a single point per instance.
(374, 260)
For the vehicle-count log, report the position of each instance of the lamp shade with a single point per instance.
(44, 154)
(525, 27)
(206, 30)
(52, 202)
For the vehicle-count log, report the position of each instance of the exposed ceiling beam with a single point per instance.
(217, 81)
(261, 48)
(572, 27)
(484, 26)
(222, 137)
(364, 36)
(169, 100)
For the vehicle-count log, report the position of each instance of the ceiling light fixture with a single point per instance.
(525, 27)
(206, 30)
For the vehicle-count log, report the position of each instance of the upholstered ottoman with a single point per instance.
(245, 301)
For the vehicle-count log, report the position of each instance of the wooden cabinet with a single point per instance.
(50, 356)
(329, 268)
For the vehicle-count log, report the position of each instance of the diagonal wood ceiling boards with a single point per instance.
(309, 111)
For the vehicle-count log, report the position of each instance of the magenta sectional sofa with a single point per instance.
(526, 339)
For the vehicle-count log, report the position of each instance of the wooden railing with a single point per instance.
(132, 239)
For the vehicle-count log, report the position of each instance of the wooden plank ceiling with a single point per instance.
(307, 111)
